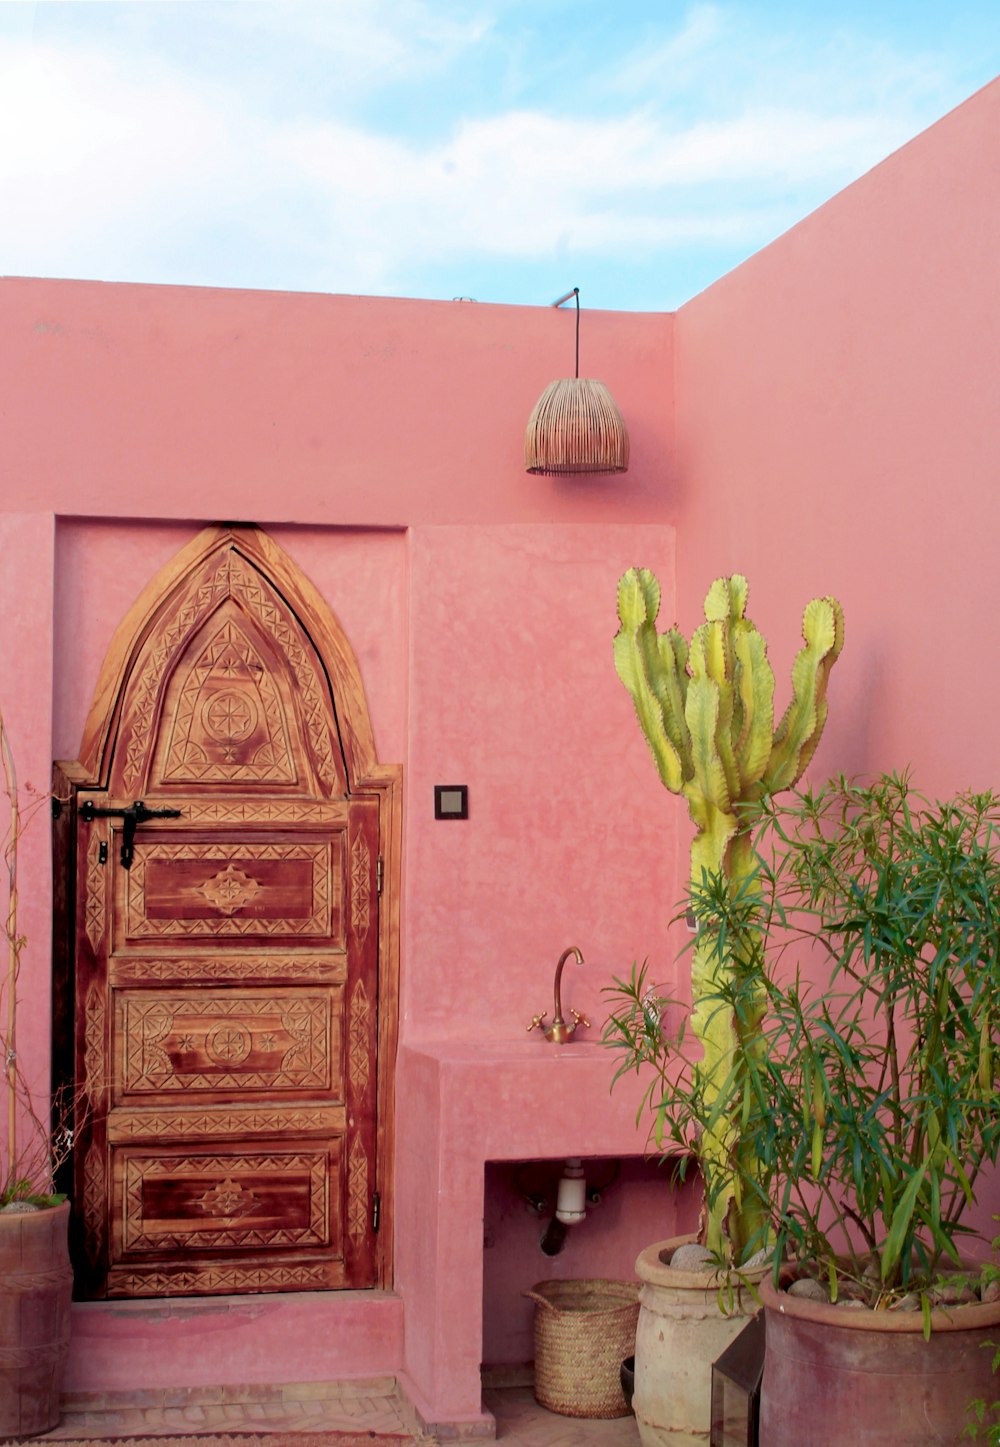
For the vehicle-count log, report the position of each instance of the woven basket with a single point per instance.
(584, 1330)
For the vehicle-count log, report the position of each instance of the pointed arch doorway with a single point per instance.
(227, 923)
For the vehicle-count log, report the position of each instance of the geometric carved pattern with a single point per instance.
(230, 890)
(230, 1190)
(228, 1200)
(93, 1201)
(238, 1122)
(248, 587)
(219, 1279)
(360, 867)
(264, 811)
(231, 579)
(200, 601)
(228, 967)
(93, 1041)
(171, 1044)
(96, 876)
(221, 890)
(228, 722)
(357, 1191)
(34, 1358)
(357, 1048)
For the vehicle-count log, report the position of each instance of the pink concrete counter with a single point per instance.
(461, 1103)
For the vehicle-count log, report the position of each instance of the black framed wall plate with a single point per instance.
(451, 801)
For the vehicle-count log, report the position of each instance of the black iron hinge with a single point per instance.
(376, 1211)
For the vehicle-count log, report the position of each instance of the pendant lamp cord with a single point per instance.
(575, 292)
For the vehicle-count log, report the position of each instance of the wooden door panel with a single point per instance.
(213, 1069)
(228, 891)
(223, 1199)
(220, 1045)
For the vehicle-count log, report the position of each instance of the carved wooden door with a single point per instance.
(226, 975)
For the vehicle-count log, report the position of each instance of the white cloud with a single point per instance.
(144, 169)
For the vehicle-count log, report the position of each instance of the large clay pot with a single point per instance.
(36, 1287)
(682, 1331)
(835, 1374)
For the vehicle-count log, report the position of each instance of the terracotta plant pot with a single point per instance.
(681, 1332)
(36, 1287)
(834, 1374)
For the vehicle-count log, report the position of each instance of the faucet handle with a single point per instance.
(537, 1020)
(579, 1019)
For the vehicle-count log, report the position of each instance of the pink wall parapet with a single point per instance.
(839, 432)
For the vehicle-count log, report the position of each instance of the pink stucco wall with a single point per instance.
(179, 402)
(381, 445)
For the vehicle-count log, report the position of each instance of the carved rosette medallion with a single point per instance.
(230, 890)
(229, 1044)
(228, 1200)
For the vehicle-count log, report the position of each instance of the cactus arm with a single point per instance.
(755, 687)
(710, 661)
(798, 734)
(726, 599)
(653, 671)
(649, 714)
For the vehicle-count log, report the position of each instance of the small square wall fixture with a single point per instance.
(576, 426)
(451, 801)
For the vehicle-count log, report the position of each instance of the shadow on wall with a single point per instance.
(642, 1204)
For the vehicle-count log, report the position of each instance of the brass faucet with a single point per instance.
(559, 1032)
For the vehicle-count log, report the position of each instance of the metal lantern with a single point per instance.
(576, 426)
(736, 1378)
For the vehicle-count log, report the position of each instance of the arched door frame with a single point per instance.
(365, 775)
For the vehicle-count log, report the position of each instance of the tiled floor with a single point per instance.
(374, 1405)
(520, 1420)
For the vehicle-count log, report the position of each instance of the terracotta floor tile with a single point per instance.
(374, 1406)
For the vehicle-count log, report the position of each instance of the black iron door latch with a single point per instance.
(132, 817)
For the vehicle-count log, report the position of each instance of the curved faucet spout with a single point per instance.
(559, 1032)
(557, 987)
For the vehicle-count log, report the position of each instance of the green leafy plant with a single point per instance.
(985, 1416)
(33, 1150)
(872, 927)
(707, 712)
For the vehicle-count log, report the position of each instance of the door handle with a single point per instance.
(132, 817)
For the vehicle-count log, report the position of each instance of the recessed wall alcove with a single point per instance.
(644, 1202)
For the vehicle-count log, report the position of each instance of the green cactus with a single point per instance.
(707, 712)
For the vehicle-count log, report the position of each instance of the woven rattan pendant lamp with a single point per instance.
(576, 426)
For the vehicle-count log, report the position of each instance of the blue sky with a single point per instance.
(505, 150)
